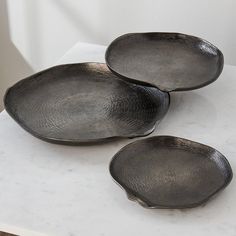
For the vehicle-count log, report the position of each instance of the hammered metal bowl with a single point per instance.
(85, 102)
(170, 172)
(169, 61)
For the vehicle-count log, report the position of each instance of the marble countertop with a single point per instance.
(61, 190)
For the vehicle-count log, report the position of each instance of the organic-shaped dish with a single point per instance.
(169, 61)
(170, 172)
(84, 103)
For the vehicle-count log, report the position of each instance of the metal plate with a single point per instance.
(169, 61)
(84, 102)
(170, 172)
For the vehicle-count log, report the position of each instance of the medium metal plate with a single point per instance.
(84, 102)
(170, 172)
(169, 61)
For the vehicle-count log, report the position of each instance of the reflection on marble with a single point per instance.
(68, 191)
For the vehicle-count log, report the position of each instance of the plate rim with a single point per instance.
(133, 197)
(140, 82)
(74, 141)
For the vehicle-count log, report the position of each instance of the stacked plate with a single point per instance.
(127, 97)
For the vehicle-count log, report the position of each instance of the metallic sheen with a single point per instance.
(169, 61)
(85, 102)
(170, 172)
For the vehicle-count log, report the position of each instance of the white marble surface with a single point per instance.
(67, 191)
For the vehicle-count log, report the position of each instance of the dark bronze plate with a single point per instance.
(170, 172)
(6, 234)
(169, 61)
(84, 102)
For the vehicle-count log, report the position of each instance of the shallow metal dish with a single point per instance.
(84, 103)
(170, 172)
(169, 61)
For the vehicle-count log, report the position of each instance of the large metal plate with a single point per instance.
(169, 61)
(84, 102)
(170, 172)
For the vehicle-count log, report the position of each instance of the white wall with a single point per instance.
(13, 66)
(43, 30)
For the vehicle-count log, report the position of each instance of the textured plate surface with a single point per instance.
(170, 172)
(169, 61)
(82, 103)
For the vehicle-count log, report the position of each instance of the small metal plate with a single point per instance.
(169, 61)
(170, 172)
(84, 102)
